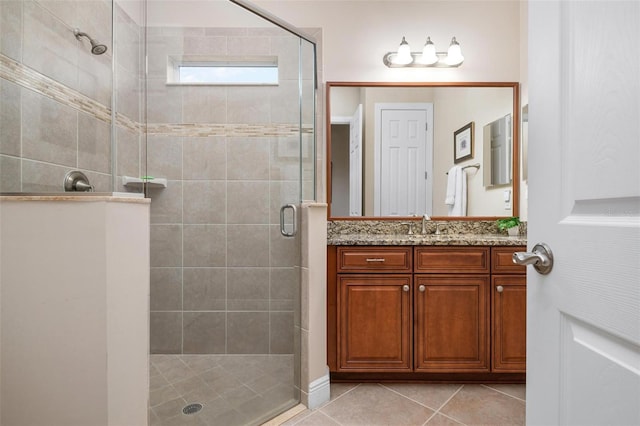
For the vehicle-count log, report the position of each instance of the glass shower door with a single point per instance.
(225, 272)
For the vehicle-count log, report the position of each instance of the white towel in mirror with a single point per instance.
(456, 197)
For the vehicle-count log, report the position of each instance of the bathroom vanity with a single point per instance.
(445, 308)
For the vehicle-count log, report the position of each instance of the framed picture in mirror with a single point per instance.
(463, 143)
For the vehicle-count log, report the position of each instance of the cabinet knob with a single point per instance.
(405, 287)
(422, 288)
(499, 289)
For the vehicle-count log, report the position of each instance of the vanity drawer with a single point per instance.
(382, 259)
(447, 260)
(502, 263)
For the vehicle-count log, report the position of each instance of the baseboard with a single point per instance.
(319, 392)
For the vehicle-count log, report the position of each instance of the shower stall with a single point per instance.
(230, 107)
(208, 108)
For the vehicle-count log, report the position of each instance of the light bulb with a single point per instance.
(429, 56)
(403, 57)
(454, 54)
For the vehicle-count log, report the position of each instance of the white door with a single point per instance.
(355, 163)
(583, 318)
(403, 159)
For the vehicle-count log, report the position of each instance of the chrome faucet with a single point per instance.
(425, 218)
(438, 228)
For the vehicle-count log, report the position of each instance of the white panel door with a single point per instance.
(355, 163)
(583, 318)
(403, 160)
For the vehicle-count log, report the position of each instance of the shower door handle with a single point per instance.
(294, 210)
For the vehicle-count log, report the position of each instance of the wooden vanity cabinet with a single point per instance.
(508, 311)
(374, 309)
(444, 313)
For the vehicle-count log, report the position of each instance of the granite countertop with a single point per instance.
(395, 233)
(426, 240)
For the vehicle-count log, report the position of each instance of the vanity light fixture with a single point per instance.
(429, 57)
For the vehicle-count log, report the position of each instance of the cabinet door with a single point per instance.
(452, 329)
(374, 330)
(509, 315)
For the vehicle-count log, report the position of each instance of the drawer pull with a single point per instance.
(375, 259)
(405, 287)
(422, 288)
(499, 289)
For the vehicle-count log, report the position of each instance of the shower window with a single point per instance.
(227, 71)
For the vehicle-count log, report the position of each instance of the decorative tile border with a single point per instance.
(24, 76)
(228, 130)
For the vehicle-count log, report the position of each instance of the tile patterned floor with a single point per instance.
(418, 404)
(233, 389)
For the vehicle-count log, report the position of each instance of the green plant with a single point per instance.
(508, 222)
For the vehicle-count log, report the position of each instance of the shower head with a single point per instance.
(96, 48)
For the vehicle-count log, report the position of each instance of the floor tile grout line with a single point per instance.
(504, 393)
(321, 408)
(447, 401)
(430, 417)
(435, 411)
(409, 398)
(170, 383)
(451, 418)
(333, 419)
(339, 396)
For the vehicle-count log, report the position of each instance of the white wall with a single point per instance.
(75, 312)
(356, 35)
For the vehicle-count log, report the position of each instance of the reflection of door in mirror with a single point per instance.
(346, 164)
(403, 163)
(355, 163)
(497, 152)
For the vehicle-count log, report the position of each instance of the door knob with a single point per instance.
(541, 258)
(405, 287)
(499, 289)
(422, 288)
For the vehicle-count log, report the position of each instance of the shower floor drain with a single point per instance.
(192, 408)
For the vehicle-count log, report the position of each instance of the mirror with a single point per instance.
(391, 146)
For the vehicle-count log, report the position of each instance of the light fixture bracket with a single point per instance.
(440, 63)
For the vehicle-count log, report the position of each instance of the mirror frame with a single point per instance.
(515, 189)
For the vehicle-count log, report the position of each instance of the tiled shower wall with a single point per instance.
(55, 103)
(223, 279)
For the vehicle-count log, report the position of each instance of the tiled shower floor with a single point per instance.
(233, 389)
